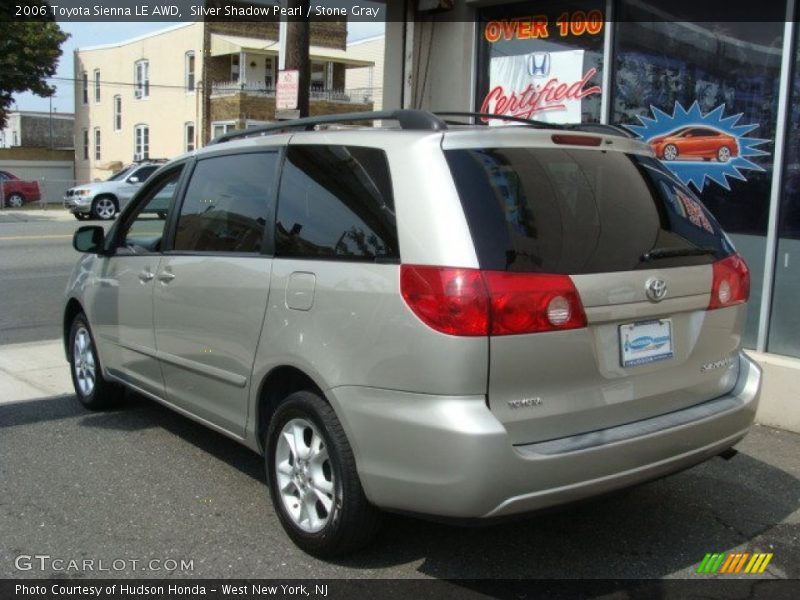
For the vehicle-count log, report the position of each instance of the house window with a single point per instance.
(85, 87)
(117, 113)
(219, 129)
(97, 85)
(141, 88)
(141, 150)
(189, 136)
(85, 133)
(269, 77)
(97, 143)
(190, 71)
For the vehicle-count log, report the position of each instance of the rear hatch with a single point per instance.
(643, 255)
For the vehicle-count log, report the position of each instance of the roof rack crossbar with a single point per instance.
(418, 120)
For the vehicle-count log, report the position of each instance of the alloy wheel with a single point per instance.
(83, 361)
(304, 474)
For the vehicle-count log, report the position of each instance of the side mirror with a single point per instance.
(89, 238)
(133, 179)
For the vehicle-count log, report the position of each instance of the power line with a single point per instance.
(75, 80)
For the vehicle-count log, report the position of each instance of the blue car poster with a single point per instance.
(698, 148)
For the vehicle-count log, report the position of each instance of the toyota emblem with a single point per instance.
(656, 289)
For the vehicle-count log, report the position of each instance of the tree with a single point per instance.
(29, 53)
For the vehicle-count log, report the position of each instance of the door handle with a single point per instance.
(166, 277)
(146, 276)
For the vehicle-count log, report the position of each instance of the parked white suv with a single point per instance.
(104, 199)
(452, 320)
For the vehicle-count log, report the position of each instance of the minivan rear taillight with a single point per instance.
(470, 302)
(731, 282)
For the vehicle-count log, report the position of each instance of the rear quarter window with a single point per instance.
(577, 211)
(336, 202)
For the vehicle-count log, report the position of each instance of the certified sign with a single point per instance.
(287, 90)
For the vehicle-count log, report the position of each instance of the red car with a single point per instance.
(15, 192)
(695, 142)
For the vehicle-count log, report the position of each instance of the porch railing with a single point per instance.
(352, 96)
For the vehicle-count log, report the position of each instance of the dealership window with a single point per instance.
(97, 85)
(141, 150)
(141, 87)
(697, 74)
(85, 78)
(190, 71)
(117, 113)
(188, 135)
(542, 61)
(85, 140)
(784, 324)
(97, 143)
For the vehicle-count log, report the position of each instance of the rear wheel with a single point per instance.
(670, 152)
(91, 388)
(313, 480)
(81, 216)
(15, 200)
(104, 208)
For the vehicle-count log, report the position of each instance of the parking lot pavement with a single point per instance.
(143, 483)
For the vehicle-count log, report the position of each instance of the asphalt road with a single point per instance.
(143, 483)
(36, 258)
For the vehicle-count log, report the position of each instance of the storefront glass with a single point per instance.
(705, 97)
(784, 329)
(542, 60)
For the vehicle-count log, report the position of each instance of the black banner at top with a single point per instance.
(717, 11)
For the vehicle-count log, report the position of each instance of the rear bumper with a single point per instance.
(450, 457)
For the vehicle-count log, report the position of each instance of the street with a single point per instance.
(141, 483)
(36, 258)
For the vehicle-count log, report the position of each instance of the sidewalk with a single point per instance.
(53, 212)
(33, 370)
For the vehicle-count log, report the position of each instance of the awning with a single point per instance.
(233, 44)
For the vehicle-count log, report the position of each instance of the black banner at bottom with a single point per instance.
(386, 589)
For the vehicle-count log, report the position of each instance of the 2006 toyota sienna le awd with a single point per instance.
(450, 320)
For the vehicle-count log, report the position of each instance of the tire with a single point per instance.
(15, 200)
(723, 154)
(80, 216)
(104, 208)
(670, 152)
(91, 388)
(327, 470)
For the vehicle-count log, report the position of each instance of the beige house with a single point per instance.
(369, 78)
(169, 92)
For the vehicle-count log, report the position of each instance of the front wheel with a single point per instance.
(104, 208)
(91, 388)
(80, 216)
(313, 480)
(724, 154)
(15, 200)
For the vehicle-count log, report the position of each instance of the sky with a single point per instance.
(91, 34)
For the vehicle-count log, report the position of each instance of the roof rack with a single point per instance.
(419, 120)
(480, 115)
(150, 160)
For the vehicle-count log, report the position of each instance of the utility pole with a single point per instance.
(298, 38)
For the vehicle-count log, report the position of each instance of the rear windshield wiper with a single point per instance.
(657, 253)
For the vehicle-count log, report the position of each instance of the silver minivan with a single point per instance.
(444, 319)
